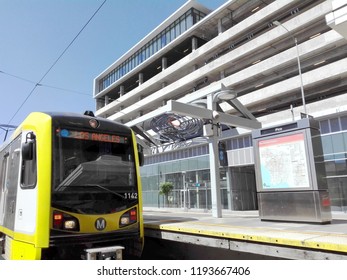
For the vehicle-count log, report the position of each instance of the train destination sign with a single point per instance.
(93, 136)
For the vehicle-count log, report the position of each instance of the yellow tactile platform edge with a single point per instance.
(313, 240)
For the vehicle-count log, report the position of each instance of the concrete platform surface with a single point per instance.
(245, 229)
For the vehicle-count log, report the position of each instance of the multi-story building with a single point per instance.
(251, 46)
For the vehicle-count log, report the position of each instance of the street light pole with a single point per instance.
(277, 23)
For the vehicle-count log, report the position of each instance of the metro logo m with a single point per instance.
(100, 224)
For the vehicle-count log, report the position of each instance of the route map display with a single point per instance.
(283, 162)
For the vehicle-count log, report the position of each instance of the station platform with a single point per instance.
(245, 232)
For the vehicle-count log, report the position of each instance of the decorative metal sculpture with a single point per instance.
(173, 127)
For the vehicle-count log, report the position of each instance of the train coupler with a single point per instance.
(105, 253)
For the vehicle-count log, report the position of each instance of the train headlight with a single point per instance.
(128, 218)
(63, 221)
(70, 224)
(124, 221)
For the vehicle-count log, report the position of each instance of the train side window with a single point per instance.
(13, 171)
(3, 172)
(29, 163)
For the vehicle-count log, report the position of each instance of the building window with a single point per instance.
(248, 141)
(324, 127)
(163, 40)
(165, 37)
(335, 125)
(343, 123)
(240, 143)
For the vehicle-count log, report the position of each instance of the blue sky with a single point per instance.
(34, 33)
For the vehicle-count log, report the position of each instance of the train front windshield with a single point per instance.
(93, 173)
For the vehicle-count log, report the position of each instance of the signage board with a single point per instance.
(283, 162)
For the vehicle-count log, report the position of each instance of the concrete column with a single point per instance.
(163, 63)
(220, 27)
(222, 74)
(140, 78)
(194, 43)
(107, 100)
(121, 91)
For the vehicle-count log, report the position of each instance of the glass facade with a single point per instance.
(161, 40)
(189, 170)
(178, 154)
(192, 185)
(187, 175)
(231, 144)
(334, 140)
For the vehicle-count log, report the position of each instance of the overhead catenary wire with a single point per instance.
(43, 85)
(55, 62)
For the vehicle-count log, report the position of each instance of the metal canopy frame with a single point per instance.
(213, 114)
(218, 116)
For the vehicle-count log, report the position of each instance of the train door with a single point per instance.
(11, 184)
(3, 180)
(27, 190)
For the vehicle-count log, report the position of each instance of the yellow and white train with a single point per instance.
(69, 183)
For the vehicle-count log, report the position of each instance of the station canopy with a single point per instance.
(178, 121)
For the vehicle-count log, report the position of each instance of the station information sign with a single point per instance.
(283, 162)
